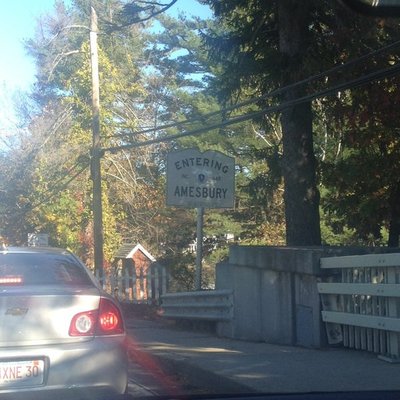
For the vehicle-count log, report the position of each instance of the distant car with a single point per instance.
(59, 331)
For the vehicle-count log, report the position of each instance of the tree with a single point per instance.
(262, 46)
(62, 54)
(363, 191)
(255, 34)
(356, 137)
(299, 164)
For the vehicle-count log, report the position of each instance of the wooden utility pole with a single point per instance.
(96, 148)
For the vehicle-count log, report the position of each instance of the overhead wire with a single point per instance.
(382, 73)
(274, 93)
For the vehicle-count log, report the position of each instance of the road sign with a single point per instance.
(197, 179)
(38, 239)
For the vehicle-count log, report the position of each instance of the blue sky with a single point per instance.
(17, 22)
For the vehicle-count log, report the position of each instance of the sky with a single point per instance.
(17, 23)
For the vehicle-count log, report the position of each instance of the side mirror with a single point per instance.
(375, 8)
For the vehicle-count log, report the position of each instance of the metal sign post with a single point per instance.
(199, 247)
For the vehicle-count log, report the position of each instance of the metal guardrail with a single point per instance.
(361, 306)
(211, 305)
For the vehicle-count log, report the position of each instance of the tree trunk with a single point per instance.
(299, 164)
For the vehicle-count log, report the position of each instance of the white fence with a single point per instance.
(361, 303)
(146, 288)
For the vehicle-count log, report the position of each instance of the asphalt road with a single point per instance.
(155, 377)
(141, 383)
(224, 366)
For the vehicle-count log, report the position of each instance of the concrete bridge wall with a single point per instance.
(275, 292)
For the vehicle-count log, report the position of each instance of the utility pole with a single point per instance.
(96, 148)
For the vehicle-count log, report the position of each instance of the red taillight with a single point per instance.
(83, 324)
(107, 320)
(110, 318)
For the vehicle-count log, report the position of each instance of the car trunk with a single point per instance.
(38, 315)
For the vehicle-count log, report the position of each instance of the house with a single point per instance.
(147, 278)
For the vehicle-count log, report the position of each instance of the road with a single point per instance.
(142, 383)
(174, 360)
(152, 377)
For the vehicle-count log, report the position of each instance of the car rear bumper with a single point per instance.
(98, 365)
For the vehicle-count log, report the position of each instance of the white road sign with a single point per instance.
(197, 179)
(38, 239)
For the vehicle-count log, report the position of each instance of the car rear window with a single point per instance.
(41, 269)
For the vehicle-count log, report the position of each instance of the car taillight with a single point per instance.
(83, 324)
(107, 320)
(110, 319)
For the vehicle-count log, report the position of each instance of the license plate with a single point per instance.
(21, 373)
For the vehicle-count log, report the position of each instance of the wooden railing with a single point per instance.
(361, 303)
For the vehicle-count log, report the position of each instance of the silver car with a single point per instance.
(59, 331)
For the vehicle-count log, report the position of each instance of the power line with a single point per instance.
(274, 93)
(376, 75)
